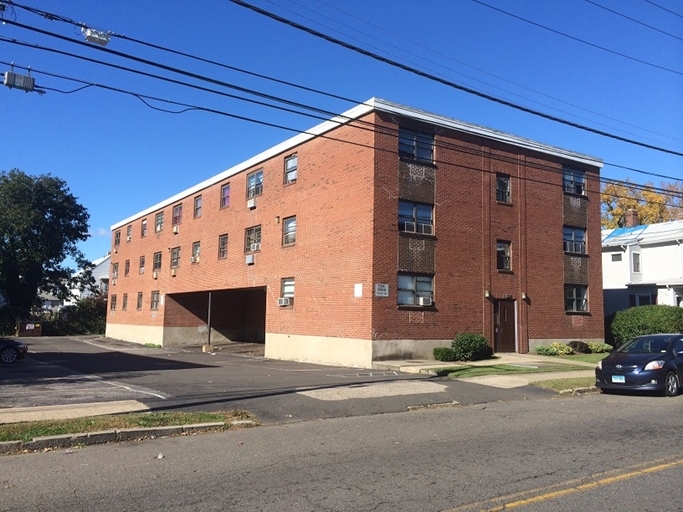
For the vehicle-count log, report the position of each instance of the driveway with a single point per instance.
(80, 370)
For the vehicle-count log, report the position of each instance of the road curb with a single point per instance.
(48, 443)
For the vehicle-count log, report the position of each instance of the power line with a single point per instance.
(634, 20)
(576, 38)
(448, 82)
(373, 128)
(664, 8)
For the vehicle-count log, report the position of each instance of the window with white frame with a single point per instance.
(415, 217)
(126, 268)
(177, 214)
(616, 257)
(175, 257)
(575, 297)
(124, 302)
(115, 270)
(197, 212)
(138, 305)
(252, 239)
(287, 288)
(289, 231)
(574, 240)
(159, 222)
(156, 261)
(415, 290)
(129, 233)
(574, 181)
(117, 238)
(255, 184)
(154, 302)
(503, 258)
(195, 252)
(291, 167)
(416, 145)
(503, 188)
(112, 302)
(222, 247)
(225, 195)
(142, 264)
(635, 262)
(143, 228)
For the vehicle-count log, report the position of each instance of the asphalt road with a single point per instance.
(596, 452)
(88, 369)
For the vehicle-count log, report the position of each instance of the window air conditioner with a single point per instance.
(113, 282)
(176, 229)
(128, 238)
(255, 247)
(194, 259)
(155, 275)
(424, 301)
(249, 259)
(251, 203)
(283, 301)
(172, 272)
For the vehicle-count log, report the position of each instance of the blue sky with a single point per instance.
(120, 156)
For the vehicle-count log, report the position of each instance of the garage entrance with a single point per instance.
(236, 315)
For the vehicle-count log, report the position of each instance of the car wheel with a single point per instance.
(9, 355)
(671, 384)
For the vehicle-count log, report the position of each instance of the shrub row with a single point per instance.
(573, 347)
(465, 347)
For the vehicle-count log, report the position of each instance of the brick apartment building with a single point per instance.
(378, 234)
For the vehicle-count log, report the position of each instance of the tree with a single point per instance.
(652, 204)
(40, 224)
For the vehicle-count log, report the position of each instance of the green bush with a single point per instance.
(562, 349)
(599, 348)
(471, 347)
(444, 354)
(545, 350)
(646, 320)
(88, 316)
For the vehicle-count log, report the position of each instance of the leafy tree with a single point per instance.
(41, 223)
(652, 204)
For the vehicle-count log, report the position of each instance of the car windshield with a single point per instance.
(645, 345)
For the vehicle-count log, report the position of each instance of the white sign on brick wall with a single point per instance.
(381, 290)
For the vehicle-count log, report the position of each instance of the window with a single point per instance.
(175, 257)
(124, 303)
(159, 222)
(104, 286)
(503, 188)
(252, 239)
(197, 206)
(503, 255)
(129, 233)
(143, 228)
(126, 268)
(222, 247)
(117, 238)
(142, 264)
(415, 217)
(287, 288)
(255, 184)
(575, 240)
(138, 306)
(225, 195)
(289, 231)
(195, 252)
(415, 290)
(115, 270)
(574, 181)
(635, 259)
(177, 214)
(156, 262)
(575, 298)
(642, 299)
(291, 165)
(616, 257)
(112, 303)
(416, 145)
(154, 303)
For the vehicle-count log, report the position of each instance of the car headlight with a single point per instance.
(599, 365)
(654, 365)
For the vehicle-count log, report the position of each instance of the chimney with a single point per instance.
(631, 218)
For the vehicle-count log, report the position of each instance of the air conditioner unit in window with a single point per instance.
(113, 282)
(172, 272)
(249, 259)
(251, 203)
(283, 301)
(255, 247)
(424, 301)
(155, 275)
(176, 229)
(194, 259)
(128, 238)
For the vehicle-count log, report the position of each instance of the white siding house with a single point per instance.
(642, 265)
(100, 273)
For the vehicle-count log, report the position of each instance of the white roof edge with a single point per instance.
(355, 113)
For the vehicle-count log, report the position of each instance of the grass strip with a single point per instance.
(26, 431)
(562, 384)
(586, 358)
(506, 369)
